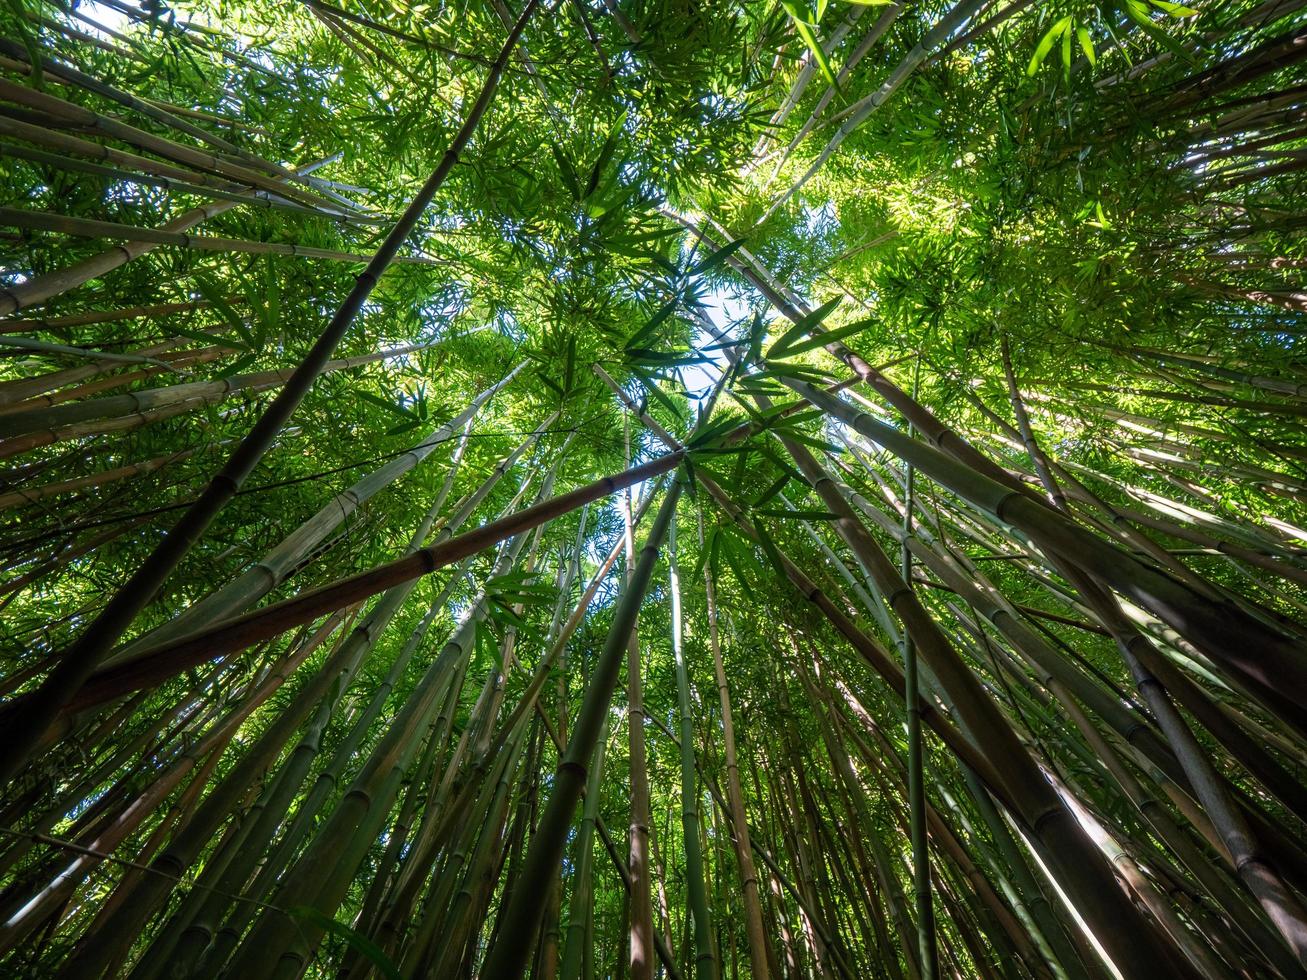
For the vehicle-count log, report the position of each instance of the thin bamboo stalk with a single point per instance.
(89, 228)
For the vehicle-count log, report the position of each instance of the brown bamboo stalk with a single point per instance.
(89, 228)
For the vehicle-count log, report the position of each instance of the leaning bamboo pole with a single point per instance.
(176, 186)
(41, 288)
(17, 56)
(1223, 633)
(20, 498)
(59, 889)
(90, 228)
(859, 111)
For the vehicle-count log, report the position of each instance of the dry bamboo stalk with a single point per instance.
(41, 288)
(69, 113)
(72, 76)
(175, 359)
(133, 162)
(57, 323)
(46, 421)
(19, 498)
(89, 228)
(261, 200)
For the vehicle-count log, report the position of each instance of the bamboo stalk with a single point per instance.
(88, 228)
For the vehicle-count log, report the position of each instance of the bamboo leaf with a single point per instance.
(801, 328)
(717, 258)
(358, 942)
(1086, 45)
(1046, 44)
(605, 155)
(218, 301)
(769, 549)
(825, 338)
(772, 490)
(567, 171)
(638, 338)
(1174, 9)
(802, 25)
(399, 410)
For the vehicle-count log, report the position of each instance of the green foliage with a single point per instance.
(1111, 192)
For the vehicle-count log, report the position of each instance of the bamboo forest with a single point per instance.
(585, 489)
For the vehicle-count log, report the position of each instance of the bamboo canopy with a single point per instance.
(641, 489)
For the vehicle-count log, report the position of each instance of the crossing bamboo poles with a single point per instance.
(152, 666)
(21, 730)
(1222, 632)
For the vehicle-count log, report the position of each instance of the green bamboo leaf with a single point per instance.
(1086, 45)
(709, 543)
(238, 365)
(605, 155)
(772, 490)
(1046, 44)
(802, 327)
(717, 258)
(828, 337)
(567, 170)
(205, 338)
(802, 25)
(1174, 9)
(218, 301)
(769, 549)
(638, 338)
(737, 558)
(651, 385)
(399, 410)
(358, 942)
